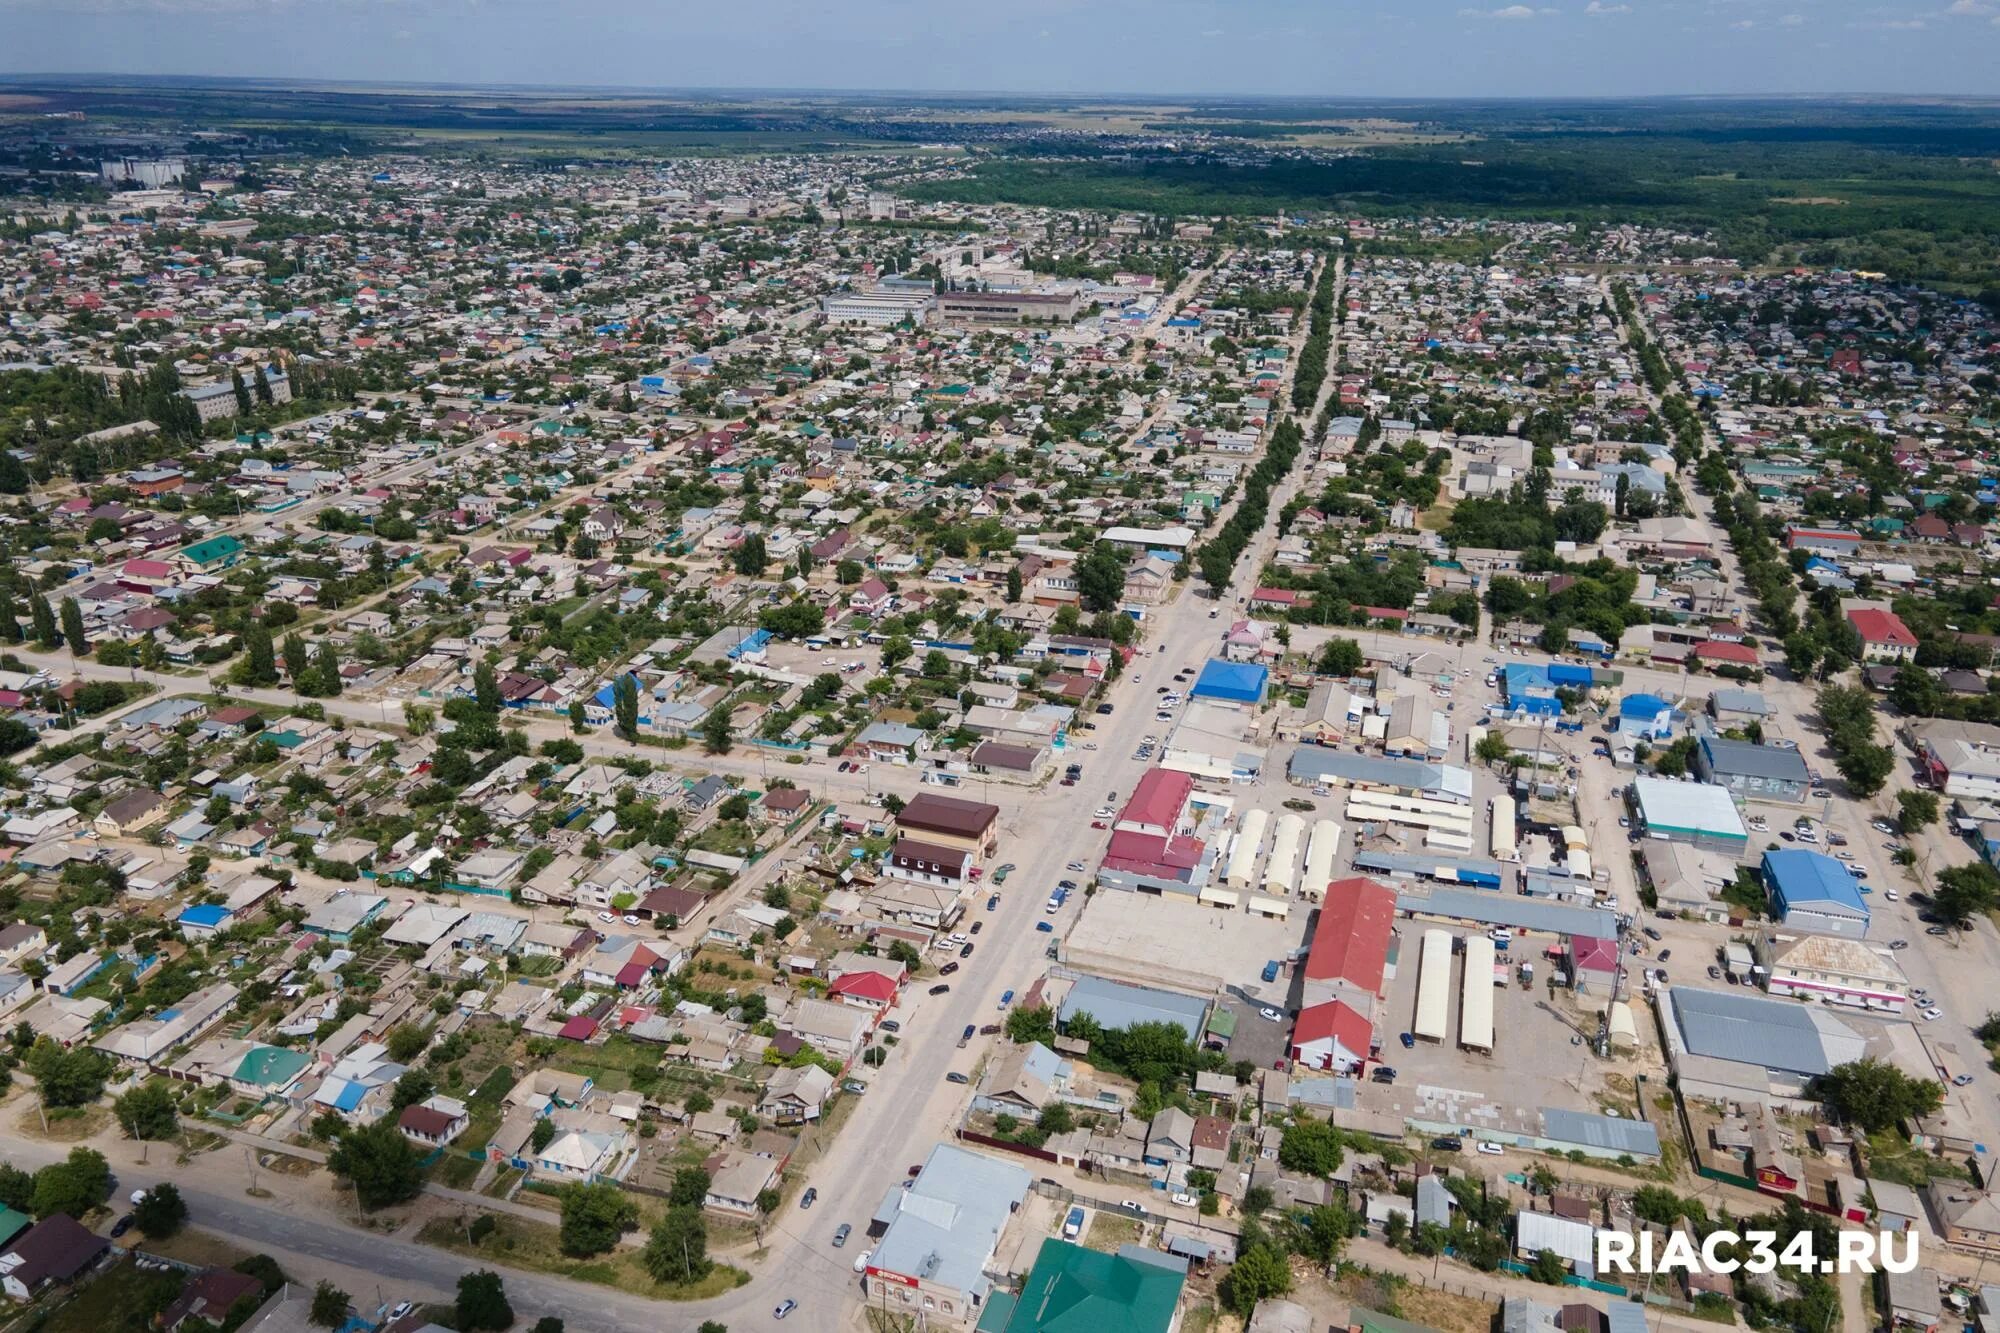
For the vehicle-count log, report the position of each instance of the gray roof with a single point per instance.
(1316, 763)
(1507, 909)
(949, 1222)
(1407, 863)
(1609, 1133)
(1688, 807)
(1740, 701)
(1781, 763)
(1433, 1201)
(1773, 1034)
(1116, 1005)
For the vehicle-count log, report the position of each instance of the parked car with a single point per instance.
(1409, 1040)
(840, 1235)
(1271, 1014)
(1491, 1149)
(966, 950)
(1045, 927)
(121, 1226)
(977, 926)
(941, 988)
(955, 1077)
(806, 1199)
(947, 969)
(1958, 1082)
(993, 902)
(785, 1307)
(861, 1261)
(1447, 1143)
(891, 1025)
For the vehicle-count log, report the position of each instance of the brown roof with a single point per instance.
(785, 798)
(913, 849)
(426, 1121)
(235, 715)
(680, 904)
(209, 1295)
(1211, 1131)
(994, 754)
(56, 1248)
(948, 814)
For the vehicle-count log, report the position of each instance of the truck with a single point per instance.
(1271, 970)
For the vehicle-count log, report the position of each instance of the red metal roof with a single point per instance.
(1877, 626)
(864, 985)
(1158, 799)
(1338, 1020)
(1351, 940)
(1151, 854)
(1720, 650)
(579, 1028)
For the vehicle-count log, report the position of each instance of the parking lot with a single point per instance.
(1541, 1055)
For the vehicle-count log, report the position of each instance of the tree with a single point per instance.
(413, 1087)
(406, 1042)
(73, 1186)
(1875, 1094)
(594, 1216)
(1310, 1146)
(379, 1162)
(625, 706)
(66, 1078)
(543, 1133)
(1325, 1231)
(1013, 584)
(1260, 1273)
(17, 1188)
(482, 1302)
(1492, 749)
(1865, 766)
(44, 621)
(1916, 809)
(1340, 657)
(750, 557)
(548, 1323)
(329, 671)
(690, 1187)
(486, 689)
(72, 626)
(242, 391)
(147, 1112)
(14, 476)
(677, 1249)
(1548, 1267)
(718, 735)
(260, 656)
(161, 1213)
(896, 649)
(329, 1306)
(1100, 578)
(1964, 892)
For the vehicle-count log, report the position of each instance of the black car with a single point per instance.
(941, 988)
(1649, 933)
(1447, 1143)
(1383, 1074)
(121, 1226)
(1103, 708)
(978, 926)
(1665, 954)
(947, 969)
(966, 952)
(891, 1025)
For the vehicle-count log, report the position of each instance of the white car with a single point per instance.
(1933, 1013)
(1892, 895)
(1186, 1200)
(1843, 855)
(861, 1261)
(1104, 812)
(630, 919)
(606, 916)
(1491, 1149)
(1272, 1014)
(1074, 867)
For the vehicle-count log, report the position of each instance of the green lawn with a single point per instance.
(116, 1300)
(535, 1246)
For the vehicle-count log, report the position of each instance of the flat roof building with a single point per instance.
(942, 1233)
(1812, 891)
(1690, 812)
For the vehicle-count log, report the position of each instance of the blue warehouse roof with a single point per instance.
(1800, 878)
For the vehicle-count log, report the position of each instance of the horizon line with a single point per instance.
(745, 91)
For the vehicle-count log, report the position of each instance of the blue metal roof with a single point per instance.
(204, 914)
(1240, 682)
(1799, 878)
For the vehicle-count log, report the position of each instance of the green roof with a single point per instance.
(274, 1066)
(212, 550)
(12, 1223)
(1374, 1321)
(1075, 1290)
(1222, 1023)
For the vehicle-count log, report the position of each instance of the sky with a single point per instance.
(1358, 48)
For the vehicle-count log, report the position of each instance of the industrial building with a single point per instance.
(1008, 307)
(1313, 765)
(1241, 683)
(1117, 1006)
(1690, 812)
(1737, 1045)
(1769, 772)
(1813, 892)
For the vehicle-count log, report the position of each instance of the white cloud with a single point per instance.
(1511, 12)
(1968, 7)
(1599, 7)
(1791, 20)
